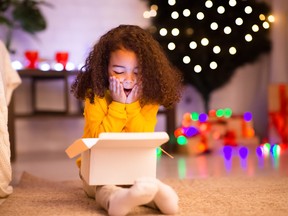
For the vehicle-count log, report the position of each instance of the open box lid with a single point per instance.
(118, 140)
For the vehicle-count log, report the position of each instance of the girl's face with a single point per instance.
(123, 65)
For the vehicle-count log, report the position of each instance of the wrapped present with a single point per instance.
(278, 113)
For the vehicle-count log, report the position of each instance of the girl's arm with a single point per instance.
(101, 117)
(141, 119)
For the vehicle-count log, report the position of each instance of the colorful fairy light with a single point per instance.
(243, 152)
(195, 116)
(203, 117)
(182, 140)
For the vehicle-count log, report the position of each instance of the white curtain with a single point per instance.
(9, 80)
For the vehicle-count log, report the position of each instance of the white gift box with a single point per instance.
(118, 158)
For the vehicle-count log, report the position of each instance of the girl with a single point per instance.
(125, 79)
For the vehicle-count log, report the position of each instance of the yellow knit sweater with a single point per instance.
(106, 115)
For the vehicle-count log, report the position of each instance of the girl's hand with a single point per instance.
(116, 90)
(134, 95)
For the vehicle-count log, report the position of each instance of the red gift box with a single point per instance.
(278, 113)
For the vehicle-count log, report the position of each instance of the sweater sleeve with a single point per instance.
(141, 119)
(103, 117)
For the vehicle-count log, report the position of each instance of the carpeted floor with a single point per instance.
(211, 196)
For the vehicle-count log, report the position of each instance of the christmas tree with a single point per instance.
(208, 39)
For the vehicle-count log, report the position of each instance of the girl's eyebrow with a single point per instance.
(118, 66)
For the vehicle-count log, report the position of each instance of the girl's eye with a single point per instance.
(118, 70)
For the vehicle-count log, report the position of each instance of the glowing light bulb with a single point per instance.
(216, 49)
(197, 68)
(204, 41)
(203, 117)
(248, 10)
(195, 116)
(175, 15)
(193, 45)
(17, 65)
(262, 17)
(255, 28)
(182, 140)
(58, 67)
(153, 13)
(186, 59)
(248, 37)
(213, 65)
(266, 25)
(232, 3)
(208, 3)
(271, 18)
(175, 32)
(247, 116)
(163, 32)
(200, 16)
(239, 21)
(171, 46)
(220, 9)
(214, 26)
(227, 30)
(154, 7)
(186, 13)
(232, 50)
(70, 66)
(227, 112)
(171, 2)
(44, 66)
(146, 14)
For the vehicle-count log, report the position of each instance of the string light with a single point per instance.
(227, 30)
(216, 49)
(146, 14)
(193, 45)
(262, 17)
(209, 4)
(271, 18)
(239, 21)
(171, 46)
(175, 32)
(163, 32)
(175, 15)
(200, 16)
(255, 28)
(232, 3)
(186, 59)
(153, 13)
(214, 26)
(213, 65)
(266, 25)
(154, 7)
(248, 37)
(197, 68)
(221, 10)
(248, 10)
(232, 50)
(186, 12)
(171, 2)
(242, 15)
(204, 41)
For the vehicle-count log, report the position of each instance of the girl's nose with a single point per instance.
(130, 78)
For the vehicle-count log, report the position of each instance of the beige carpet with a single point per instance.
(212, 196)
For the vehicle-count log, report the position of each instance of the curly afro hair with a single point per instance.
(161, 81)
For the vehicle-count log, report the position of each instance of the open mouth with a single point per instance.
(127, 91)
